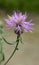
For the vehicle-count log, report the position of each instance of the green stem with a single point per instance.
(14, 50)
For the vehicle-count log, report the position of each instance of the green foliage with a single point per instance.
(1, 31)
(23, 5)
(1, 41)
(1, 27)
(1, 51)
(1, 57)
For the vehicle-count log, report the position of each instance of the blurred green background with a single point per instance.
(22, 5)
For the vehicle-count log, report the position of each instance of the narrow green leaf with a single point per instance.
(21, 40)
(1, 57)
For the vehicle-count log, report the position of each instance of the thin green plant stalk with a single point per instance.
(16, 48)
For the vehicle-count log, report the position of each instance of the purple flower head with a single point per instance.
(18, 22)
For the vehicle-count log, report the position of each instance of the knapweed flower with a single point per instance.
(18, 22)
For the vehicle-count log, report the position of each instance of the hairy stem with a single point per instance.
(17, 41)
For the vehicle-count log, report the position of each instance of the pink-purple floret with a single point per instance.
(18, 22)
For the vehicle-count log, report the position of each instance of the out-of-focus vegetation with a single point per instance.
(1, 41)
(22, 5)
